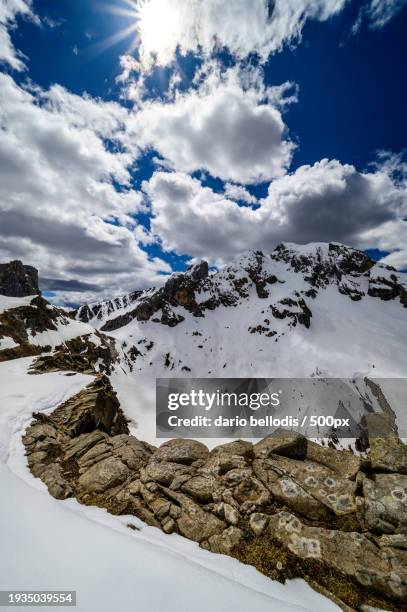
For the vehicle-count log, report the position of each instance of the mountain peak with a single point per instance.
(18, 280)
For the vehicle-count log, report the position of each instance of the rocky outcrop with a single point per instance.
(31, 319)
(282, 285)
(179, 290)
(287, 505)
(88, 354)
(18, 280)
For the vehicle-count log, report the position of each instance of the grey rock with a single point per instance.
(181, 451)
(364, 561)
(225, 542)
(281, 442)
(163, 472)
(200, 488)
(103, 476)
(383, 508)
(258, 522)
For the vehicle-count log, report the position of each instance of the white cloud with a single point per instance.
(239, 193)
(10, 10)
(243, 26)
(377, 13)
(380, 12)
(227, 126)
(61, 158)
(324, 202)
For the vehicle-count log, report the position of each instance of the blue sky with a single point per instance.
(155, 155)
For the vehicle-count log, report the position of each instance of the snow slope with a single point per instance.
(318, 309)
(52, 545)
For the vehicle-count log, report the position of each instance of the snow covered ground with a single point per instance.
(52, 545)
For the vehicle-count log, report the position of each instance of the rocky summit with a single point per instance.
(326, 303)
(286, 505)
(18, 280)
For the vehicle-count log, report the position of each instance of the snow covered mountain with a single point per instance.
(318, 309)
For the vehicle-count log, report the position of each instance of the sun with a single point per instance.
(153, 28)
(157, 25)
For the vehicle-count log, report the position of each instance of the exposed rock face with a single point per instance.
(325, 513)
(280, 295)
(84, 354)
(17, 280)
(351, 554)
(179, 290)
(196, 291)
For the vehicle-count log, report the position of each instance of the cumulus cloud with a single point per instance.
(10, 10)
(243, 26)
(66, 202)
(324, 202)
(230, 126)
(239, 193)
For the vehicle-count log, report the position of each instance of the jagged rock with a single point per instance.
(96, 407)
(181, 451)
(398, 540)
(352, 554)
(17, 280)
(383, 508)
(160, 507)
(281, 442)
(84, 354)
(235, 476)
(81, 444)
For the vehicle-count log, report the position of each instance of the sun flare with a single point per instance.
(154, 28)
(157, 25)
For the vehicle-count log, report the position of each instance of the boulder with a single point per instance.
(181, 451)
(258, 522)
(388, 454)
(225, 542)
(193, 522)
(321, 483)
(344, 462)
(200, 488)
(289, 493)
(383, 508)
(363, 560)
(103, 476)
(281, 442)
(163, 472)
